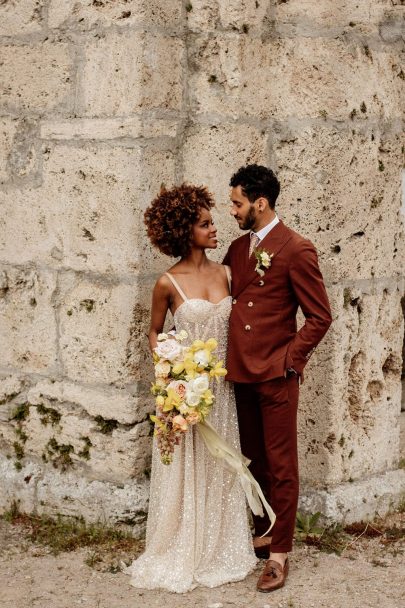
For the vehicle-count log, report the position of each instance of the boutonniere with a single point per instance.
(263, 258)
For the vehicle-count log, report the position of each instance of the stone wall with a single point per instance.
(103, 101)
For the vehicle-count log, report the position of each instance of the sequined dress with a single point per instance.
(197, 530)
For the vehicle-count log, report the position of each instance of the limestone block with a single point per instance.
(341, 189)
(331, 13)
(362, 500)
(234, 76)
(315, 414)
(27, 321)
(94, 331)
(49, 491)
(10, 386)
(243, 15)
(40, 241)
(23, 17)
(365, 398)
(202, 14)
(111, 404)
(107, 128)
(124, 72)
(100, 192)
(94, 189)
(18, 485)
(122, 456)
(85, 14)
(36, 78)
(99, 501)
(212, 153)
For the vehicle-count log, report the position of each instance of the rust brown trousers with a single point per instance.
(263, 344)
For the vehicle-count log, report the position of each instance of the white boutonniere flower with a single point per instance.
(263, 258)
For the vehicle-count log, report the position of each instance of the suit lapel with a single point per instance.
(273, 243)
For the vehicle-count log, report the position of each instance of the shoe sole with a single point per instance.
(270, 590)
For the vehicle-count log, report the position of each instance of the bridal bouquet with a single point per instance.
(182, 391)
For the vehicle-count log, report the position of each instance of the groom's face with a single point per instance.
(244, 212)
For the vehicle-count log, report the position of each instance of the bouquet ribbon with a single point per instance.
(238, 463)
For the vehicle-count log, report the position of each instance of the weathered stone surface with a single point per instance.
(27, 321)
(119, 405)
(357, 501)
(350, 400)
(10, 386)
(114, 99)
(110, 128)
(44, 80)
(119, 65)
(23, 17)
(94, 189)
(332, 13)
(238, 76)
(53, 492)
(7, 130)
(346, 198)
(243, 15)
(367, 392)
(85, 14)
(94, 322)
(231, 146)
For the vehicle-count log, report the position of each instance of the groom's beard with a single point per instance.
(249, 221)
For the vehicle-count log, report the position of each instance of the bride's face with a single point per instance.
(204, 231)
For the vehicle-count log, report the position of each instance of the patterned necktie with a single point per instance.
(254, 241)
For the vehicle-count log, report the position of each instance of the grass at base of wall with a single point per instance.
(110, 546)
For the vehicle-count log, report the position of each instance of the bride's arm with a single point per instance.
(161, 299)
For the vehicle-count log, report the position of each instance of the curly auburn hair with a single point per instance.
(171, 216)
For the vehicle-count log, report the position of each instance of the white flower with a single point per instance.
(169, 349)
(265, 259)
(195, 389)
(202, 357)
(162, 337)
(182, 335)
(162, 369)
(199, 385)
(192, 399)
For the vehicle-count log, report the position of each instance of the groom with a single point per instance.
(274, 271)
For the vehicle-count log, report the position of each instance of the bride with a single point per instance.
(197, 529)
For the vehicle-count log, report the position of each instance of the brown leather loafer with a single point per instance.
(273, 576)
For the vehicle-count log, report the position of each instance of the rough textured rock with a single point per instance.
(102, 103)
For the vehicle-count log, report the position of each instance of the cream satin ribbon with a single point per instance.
(238, 463)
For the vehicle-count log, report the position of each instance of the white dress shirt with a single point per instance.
(265, 231)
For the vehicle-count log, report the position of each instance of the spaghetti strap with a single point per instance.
(228, 276)
(177, 286)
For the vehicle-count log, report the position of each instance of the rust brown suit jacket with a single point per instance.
(263, 337)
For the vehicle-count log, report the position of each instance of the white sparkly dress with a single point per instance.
(197, 530)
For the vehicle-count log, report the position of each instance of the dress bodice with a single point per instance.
(203, 319)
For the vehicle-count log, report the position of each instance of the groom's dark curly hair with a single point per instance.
(171, 216)
(257, 181)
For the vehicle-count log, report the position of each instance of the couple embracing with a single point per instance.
(198, 530)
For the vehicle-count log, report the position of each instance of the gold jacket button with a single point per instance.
(261, 283)
(250, 303)
(247, 327)
(233, 301)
